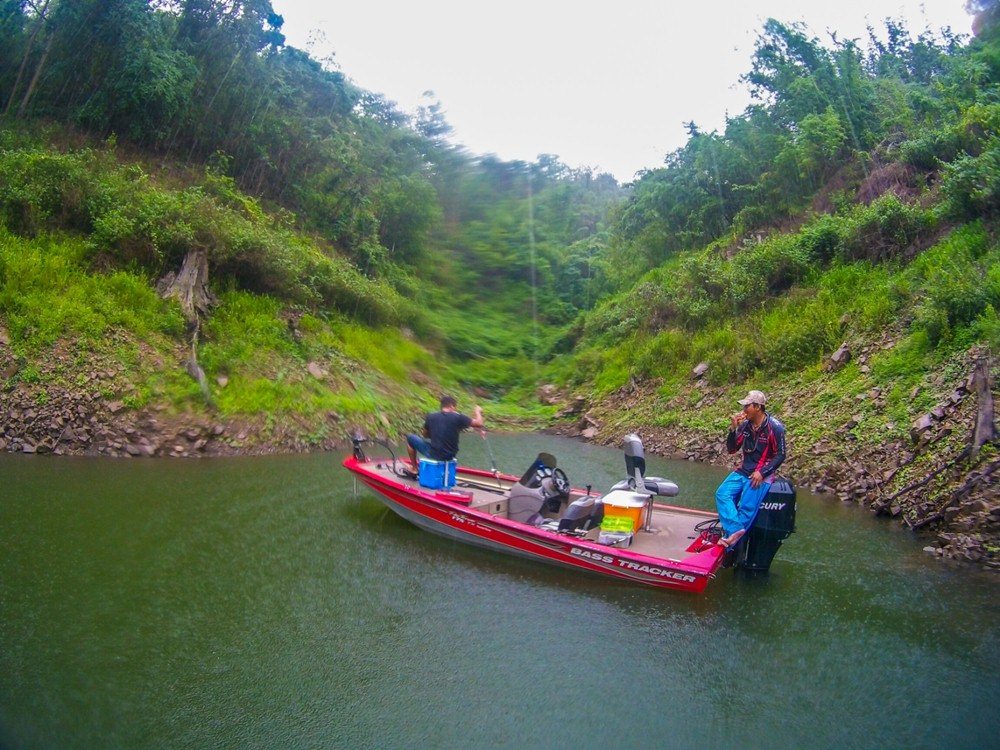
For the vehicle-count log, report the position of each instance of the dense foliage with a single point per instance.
(860, 191)
(404, 227)
(830, 209)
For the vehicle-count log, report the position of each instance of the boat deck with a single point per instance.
(673, 529)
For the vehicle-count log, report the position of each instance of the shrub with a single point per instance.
(972, 184)
(884, 229)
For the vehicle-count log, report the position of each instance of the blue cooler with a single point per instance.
(437, 475)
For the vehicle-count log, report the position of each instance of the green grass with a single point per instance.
(46, 293)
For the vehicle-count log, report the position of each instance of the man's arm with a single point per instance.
(736, 434)
(477, 418)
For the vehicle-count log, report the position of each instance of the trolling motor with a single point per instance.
(356, 440)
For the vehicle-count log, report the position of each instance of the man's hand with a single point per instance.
(736, 419)
(755, 479)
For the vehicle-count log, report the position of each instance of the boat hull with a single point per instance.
(441, 514)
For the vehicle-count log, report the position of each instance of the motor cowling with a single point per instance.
(774, 523)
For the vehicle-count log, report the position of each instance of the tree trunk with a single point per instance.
(24, 59)
(985, 430)
(34, 79)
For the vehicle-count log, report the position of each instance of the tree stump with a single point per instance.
(190, 288)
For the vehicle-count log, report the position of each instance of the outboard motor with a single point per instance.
(775, 521)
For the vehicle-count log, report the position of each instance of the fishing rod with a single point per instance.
(493, 461)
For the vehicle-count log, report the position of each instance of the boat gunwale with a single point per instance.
(712, 557)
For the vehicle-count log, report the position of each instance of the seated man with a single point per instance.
(762, 438)
(441, 428)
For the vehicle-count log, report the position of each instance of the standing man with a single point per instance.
(441, 428)
(762, 439)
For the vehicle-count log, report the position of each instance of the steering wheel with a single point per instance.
(559, 478)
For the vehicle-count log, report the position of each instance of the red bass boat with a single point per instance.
(623, 534)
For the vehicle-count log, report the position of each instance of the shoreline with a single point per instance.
(923, 483)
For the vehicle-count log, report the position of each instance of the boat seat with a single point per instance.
(526, 504)
(581, 514)
(654, 485)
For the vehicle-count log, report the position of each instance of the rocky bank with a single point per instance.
(924, 474)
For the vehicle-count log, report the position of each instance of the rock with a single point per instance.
(222, 381)
(920, 426)
(573, 407)
(133, 450)
(840, 357)
(315, 370)
(938, 413)
(548, 394)
(589, 434)
(700, 370)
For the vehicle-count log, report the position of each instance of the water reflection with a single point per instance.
(257, 602)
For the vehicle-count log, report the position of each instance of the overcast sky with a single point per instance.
(606, 85)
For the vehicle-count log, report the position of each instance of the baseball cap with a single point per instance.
(754, 397)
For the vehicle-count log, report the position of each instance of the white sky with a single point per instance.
(607, 86)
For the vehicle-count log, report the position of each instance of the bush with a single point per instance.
(972, 184)
(884, 229)
(958, 279)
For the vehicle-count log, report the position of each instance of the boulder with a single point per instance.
(840, 357)
(920, 426)
(548, 394)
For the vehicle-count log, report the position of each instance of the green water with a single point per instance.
(255, 603)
